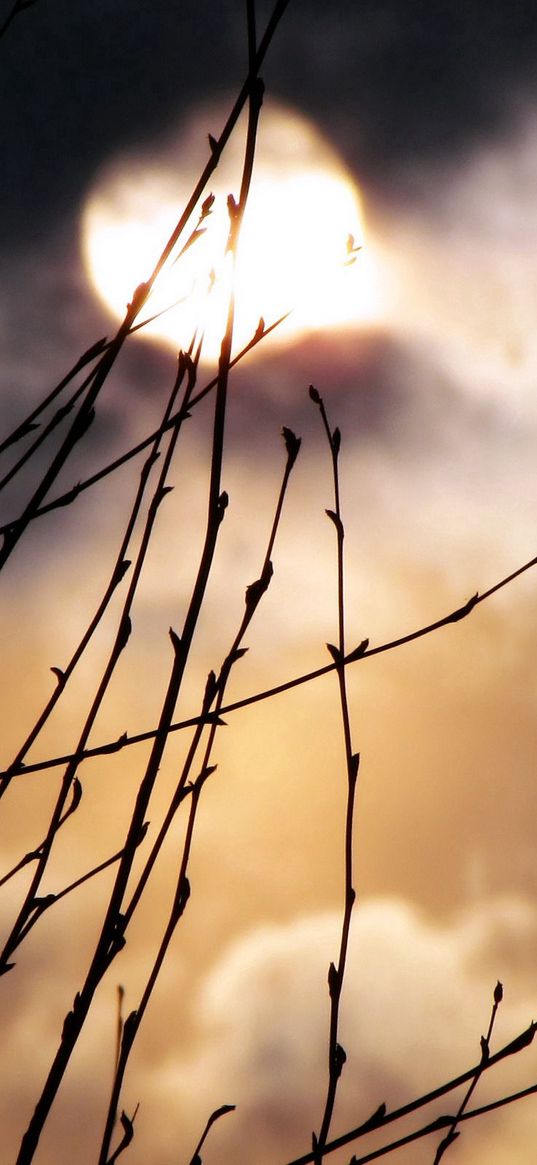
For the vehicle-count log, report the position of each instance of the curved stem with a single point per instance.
(363, 651)
(336, 973)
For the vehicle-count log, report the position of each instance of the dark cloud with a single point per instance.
(394, 81)
(80, 81)
(407, 82)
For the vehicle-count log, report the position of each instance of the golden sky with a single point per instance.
(432, 385)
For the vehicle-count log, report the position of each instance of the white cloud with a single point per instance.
(458, 272)
(417, 998)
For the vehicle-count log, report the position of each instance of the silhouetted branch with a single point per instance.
(219, 1112)
(216, 685)
(382, 1117)
(37, 851)
(23, 428)
(134, 867)
(41, 904)
(362, 651)
(336, 973)
(60, 415)
(452, 1133)
(140, 295)
(181, 645)
(73, 493)
(186, 370)
(111, 938)
(122, 563)
(127, 1124)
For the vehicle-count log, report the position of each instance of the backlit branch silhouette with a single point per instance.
(61, 420)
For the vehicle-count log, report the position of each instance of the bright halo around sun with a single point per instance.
(302, 247)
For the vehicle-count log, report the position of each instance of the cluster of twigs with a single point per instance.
(74, 414)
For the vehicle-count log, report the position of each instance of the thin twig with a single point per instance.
(186, 368)
(381, 1117)
(182, 643)
(86, 412)
(119, 569)
(73, 493)
(76, 432)
(336, 973)
(41, 904)
(111, 938)
(363, 651)
(26, 426)
(66, 408)
(216, 685)
(452, 1133)
(219, 1112)
(61, 413)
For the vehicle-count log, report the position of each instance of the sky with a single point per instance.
(423, 120)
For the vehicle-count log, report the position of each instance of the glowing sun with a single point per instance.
(302, 243)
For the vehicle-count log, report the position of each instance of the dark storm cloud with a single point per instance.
(408, 81)
(79, 81)
(403, 80)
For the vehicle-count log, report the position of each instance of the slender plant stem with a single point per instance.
(120, 642)
(134, 1020)
(336, 973)
(216, 686)
(363, 651)
(73, 493)
(121, 565)
(45, 432)
(112, 938)
(28, 424)
(452, 1133)
(236, 213)
(78, 428)
(382, 1117)
(97, 349)
(24, 427)
(219, 1112)
(86, 412)
(43, 904)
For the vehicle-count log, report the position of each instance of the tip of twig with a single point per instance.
(207, 205)
(176, 641)
(292, 443)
